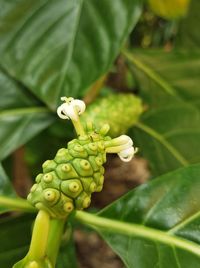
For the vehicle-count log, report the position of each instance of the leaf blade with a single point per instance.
(21, 115)
(68, 66)
(159, 205)
(171, 116)
(5, 185)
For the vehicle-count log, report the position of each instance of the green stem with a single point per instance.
(18, 204)
(54, 239)
(78, 127)
(39, 236)
(136, 230)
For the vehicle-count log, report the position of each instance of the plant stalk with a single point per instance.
(54, 239)
(17, 204)
(39, 236)
(78, 127)
(136, 230)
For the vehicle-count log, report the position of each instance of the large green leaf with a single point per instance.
(6, 188)
(15, 233)
(21, 116)
(168, 134)
(188, 33)
(15, 238)
(161, 74)
(67, 255)
(156, 225)
(60, 47)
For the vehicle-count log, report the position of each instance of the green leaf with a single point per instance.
(168, 134)
(156, 225)
(188, 32)
(61, 47)
(13, 94)
(15, 233)
(15, 238)
(161, 74)
(67, 254)
(5, 185)
(21, 116)
(6, 188)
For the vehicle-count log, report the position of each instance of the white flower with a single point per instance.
(127, 154)
(71, 108)
(123, 146)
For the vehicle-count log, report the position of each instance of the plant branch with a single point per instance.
(39, 236)
(17, 204)
(54, 239)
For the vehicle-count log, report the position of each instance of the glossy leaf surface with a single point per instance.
(21, 115)
(63, 53)
(6, 188)
(15, 236)
(169, 132)
(5, 185)
(67, 255)
(169, 204)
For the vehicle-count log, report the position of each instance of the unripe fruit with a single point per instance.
(77, 171)
(68, 180)
(119, 111)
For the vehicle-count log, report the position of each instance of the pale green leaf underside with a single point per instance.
(174, 73)
(169, 131)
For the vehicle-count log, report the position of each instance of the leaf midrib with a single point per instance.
(136, 230)
(184, 223)
(150, 73)
(157, 136)
(69, 54)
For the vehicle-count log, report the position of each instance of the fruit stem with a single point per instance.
(78, 127)
(17, 204)
(39, 236)
(54, 239)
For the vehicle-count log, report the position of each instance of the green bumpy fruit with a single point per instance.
(68, 180)
(120, 111)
